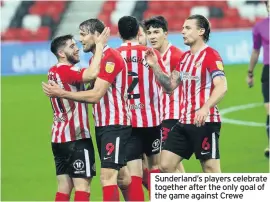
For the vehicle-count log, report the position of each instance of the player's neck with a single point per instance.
(164, 47)
(64, 62)
(197, 46)
(131, 41)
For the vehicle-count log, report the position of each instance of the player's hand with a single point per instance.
(102, 39)
(151, 57)
(200, 116)
(51, 89)
(250, 81)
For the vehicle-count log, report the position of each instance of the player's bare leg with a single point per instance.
(169, 161)
(153, 162)
(130, 180)
(123, 181)
(108, 179)
(82, 188)
(145, 168)
(211, 166)
(180, 168)
(65, 186)
(266, 151)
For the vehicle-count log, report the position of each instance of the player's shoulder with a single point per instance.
(212, 52)
(260, 22)
(112, 54)
(136, 47)
(175, 50)
(60, 67)
(186, 53)
(176, 53)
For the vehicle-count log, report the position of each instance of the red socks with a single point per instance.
(61, 197)
(145, 177)
(111, 193)
(149, 180)
(81, 196)
(135, 190)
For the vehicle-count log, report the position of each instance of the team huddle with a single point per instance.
(152, 106)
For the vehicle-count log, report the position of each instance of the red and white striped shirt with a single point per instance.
(170, 104)
(70, 117)
(112, 109)
(197, 73)
(143, 91)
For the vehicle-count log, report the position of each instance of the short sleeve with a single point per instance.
(72, 75)
(214, 64)
(257, 42)
(110, 68)
(175, 59)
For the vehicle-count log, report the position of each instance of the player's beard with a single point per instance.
(71, 59)
(90, 48)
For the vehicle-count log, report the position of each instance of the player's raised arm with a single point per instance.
(93, 70)
(169, 83)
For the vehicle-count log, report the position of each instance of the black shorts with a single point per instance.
(76, 158)
(166, 128)
(143, 140)
(186, 139)
(111, 143)
(265, 83)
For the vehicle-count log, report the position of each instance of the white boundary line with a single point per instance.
(240, 122)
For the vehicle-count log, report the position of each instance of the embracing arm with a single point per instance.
(220, 89)
(90, 96)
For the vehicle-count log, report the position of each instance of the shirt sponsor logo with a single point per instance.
(187, 76)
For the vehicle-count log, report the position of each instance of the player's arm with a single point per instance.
(220, 89)
(90, 96)
(168, 82)
(254, 55)
(92, 71)
(215, 68)
(106, 77)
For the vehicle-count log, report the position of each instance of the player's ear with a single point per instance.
(61, 53)
(201, 31)
(166, 34)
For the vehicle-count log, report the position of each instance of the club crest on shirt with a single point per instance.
(220, 65)
(109, 67)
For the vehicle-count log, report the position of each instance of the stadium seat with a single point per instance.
(248, 11)
(122, 8)
(203, 10)
(31, 22)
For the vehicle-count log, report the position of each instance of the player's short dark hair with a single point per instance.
(128, 27)
(156, 22)
(92, 25)
(203, 23)
(59, 42)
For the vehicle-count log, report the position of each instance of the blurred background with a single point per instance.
(42, 20)
(26, 30)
